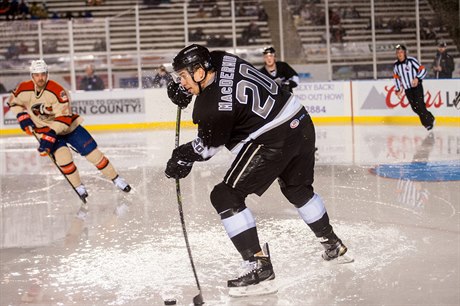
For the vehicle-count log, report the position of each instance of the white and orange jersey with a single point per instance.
(48, 109)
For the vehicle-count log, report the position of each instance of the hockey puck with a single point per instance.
(170, 302)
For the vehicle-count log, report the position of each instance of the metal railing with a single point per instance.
(126, 49)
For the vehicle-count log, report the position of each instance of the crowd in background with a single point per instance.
(24, 10)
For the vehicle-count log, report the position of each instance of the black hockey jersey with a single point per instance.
(283, 72)
(241, 105)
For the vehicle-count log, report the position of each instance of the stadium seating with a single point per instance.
(356, 47)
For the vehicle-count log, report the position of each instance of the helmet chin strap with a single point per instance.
(199, 82)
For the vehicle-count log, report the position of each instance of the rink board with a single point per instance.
(327, 102)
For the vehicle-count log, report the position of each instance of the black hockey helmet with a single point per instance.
(270, 50)
(401, 47)
(191, 58)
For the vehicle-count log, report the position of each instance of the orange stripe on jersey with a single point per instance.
(395, 76)
(103, 163)
(421, 68)
(24, 86)
(69, 168)
(57, 90)
(42, 130)
(67, 120)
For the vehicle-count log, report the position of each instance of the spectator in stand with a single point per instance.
(162, 78)
(55, 15)
(224, 41)
(94, 2)
(334, 17)
(261, 13)
(215, 11)
(38, 11)
(428, 33)
(201, 13)
(305, 13)
(69, 15)
(355, 13)
(88, 14)
(23, 49)
(337, 34)
(213, 41)
(23, 9)
(317, 17)
(91, 81)
(12, 52)
(241, 11)
(50, 46)
(13, 11)
(251, 33)
(100, 45)
(443, 63)
(197, 35)
(396, 25)
(4, 8)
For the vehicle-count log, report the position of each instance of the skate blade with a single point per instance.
(344, 259)
(264, 288)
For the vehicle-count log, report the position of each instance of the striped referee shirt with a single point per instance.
(404, 72)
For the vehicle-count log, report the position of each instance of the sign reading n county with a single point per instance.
(105, 107)
(326, 99)
(378, 98)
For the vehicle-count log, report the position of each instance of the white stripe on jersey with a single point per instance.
(407, 71)
(291, 108)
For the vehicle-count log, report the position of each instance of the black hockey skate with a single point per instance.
(256, 277)
(334, 249)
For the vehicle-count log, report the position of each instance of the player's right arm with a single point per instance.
(17, 104)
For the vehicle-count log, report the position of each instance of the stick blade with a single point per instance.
(198, 300)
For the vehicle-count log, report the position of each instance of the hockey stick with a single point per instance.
(53, 159)
(197, 300)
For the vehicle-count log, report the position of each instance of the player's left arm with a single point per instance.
(420, 70)
(292, 78)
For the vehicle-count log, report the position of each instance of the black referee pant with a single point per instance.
(417, 102)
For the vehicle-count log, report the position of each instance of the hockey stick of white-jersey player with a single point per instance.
(53, 159)
(198, 299)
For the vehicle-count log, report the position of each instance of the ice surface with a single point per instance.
(129, 250)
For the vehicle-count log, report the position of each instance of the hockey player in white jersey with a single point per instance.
(43, 107)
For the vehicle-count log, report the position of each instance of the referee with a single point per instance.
(408, 75)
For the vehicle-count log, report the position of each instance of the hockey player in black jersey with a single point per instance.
(279, 71)
(273, 137)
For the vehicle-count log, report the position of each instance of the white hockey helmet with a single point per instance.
(38, 66)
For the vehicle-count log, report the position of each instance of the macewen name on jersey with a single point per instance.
(240, 105)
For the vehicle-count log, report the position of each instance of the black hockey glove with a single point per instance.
(178, 94)
(47, 142)
(181, 162)
(26, 123)
(177, 168)
(288, 85)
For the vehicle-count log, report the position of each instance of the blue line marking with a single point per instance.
(420, 171)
